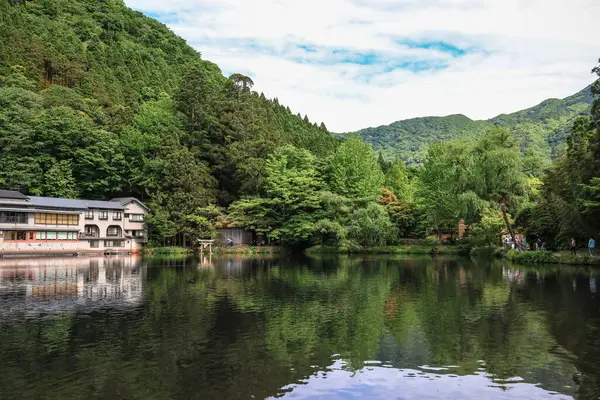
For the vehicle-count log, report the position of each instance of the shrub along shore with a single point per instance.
(406, 249)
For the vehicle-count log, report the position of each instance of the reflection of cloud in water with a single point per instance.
(49, 285)
(374, 382)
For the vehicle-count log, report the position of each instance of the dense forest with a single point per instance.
(98, 101)
(543, 129)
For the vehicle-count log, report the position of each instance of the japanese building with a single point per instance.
(31, 224)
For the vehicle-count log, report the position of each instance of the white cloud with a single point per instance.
(525, 51)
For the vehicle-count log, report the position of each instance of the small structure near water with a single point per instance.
(239, 236)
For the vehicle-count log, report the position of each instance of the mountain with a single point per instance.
(546, 124)
(95, 78)
(99, 101)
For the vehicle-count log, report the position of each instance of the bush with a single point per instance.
(486, 251)
(431, 241)
(411, 242)
(545, 257)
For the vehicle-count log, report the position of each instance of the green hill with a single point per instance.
(545, 124)
(98, 100)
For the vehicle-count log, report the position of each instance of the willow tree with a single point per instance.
(498, 171)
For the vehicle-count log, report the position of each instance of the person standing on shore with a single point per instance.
(573, 247)
(591, 246)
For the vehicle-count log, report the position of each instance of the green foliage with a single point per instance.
(438, 190)
(371, 226)
(354, 170)
(568, 204)
(546, 257)
(99, 101)
(490, 229)
(396, 179)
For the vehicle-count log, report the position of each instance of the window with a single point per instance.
(94, 244)
(31, 235)
(56, 219)
(114, 243)
(136, 217)
(51, 235)
(113, 231)
(126, 215)
(139, 234)
(62, 235)
(91, 230)
(21, 235)
(103, 214)
(10, 235)
(41, 236)
(117, 215)
(89, 214)
(10, 217)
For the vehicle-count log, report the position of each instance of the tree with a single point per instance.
(59, 181)
(397, 180)
(406, 217)
(354, 170)
(498, 172)
(371, 226)
(438, 190)
(490, 229)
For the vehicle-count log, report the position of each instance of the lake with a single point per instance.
(296, 328)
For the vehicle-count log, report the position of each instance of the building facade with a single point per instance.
(31, 224)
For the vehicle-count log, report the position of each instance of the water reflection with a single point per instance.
(338, 327)
(49, 285)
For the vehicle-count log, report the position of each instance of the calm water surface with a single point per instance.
(334, 328)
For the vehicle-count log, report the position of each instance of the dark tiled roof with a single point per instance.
(73, 203)
(12, 194)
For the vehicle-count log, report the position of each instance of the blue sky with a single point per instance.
(359, 63)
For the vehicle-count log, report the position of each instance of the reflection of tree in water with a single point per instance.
(572, 313)
(251, 327)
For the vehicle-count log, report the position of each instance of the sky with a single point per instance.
(354, 64)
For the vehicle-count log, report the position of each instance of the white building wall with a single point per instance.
(83, 244)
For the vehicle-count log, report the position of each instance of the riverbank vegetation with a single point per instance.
(546, 257)
(99, 101)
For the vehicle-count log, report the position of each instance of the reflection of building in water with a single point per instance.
(59, 284)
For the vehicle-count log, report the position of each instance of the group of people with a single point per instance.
(591, 246)
(541, 245)
(519, 242)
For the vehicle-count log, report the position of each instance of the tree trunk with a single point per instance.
(507, 222)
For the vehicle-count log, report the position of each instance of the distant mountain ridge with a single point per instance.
(408, 139)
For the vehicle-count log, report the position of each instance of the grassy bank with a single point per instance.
(166, 250)
(546, 257)
(215, 250)
(443, 250)
(247, 250)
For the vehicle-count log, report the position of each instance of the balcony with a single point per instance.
(90, 231)
(89, 235)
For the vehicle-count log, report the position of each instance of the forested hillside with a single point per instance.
(97, 100)
(545, 127)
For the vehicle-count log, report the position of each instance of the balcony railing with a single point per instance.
(85, 235)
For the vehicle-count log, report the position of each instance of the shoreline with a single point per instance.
(547, 257)
(406, 249)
